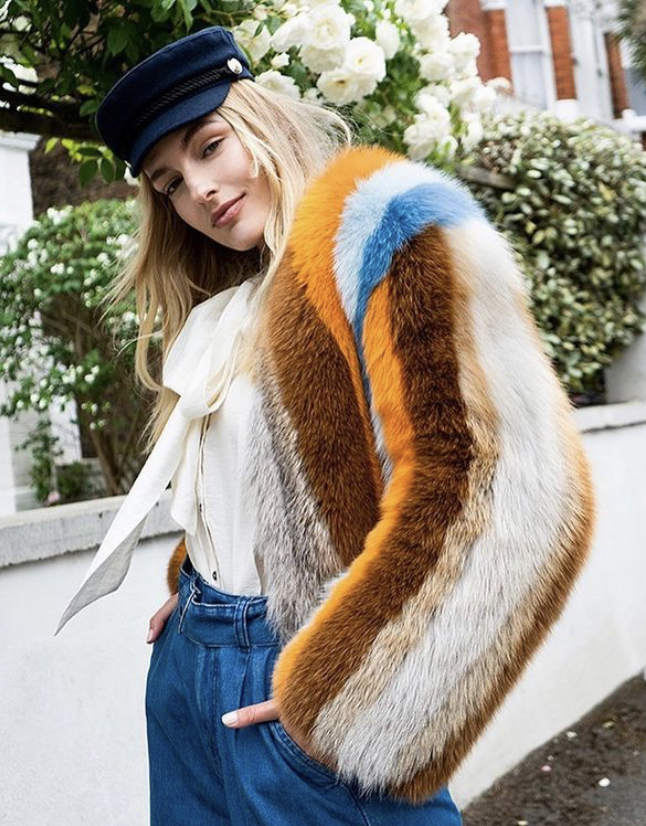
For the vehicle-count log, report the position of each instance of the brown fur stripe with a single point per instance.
(324, 410)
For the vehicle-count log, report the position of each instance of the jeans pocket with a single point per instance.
(293, 750)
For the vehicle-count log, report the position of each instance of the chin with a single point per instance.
(241, 244)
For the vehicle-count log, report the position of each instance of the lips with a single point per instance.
(226, 211)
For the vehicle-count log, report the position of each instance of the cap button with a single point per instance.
(234, 64)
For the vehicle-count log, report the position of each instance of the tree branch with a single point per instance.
(44, 125)
(38, 102)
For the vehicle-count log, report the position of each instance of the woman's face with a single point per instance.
(202, 166)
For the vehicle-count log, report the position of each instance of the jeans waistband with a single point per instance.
(212, 617)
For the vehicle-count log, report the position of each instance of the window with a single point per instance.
(530, 54)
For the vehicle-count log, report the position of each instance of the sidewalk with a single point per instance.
(593, 774)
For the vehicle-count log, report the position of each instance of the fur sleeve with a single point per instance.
(487, 512)
(174, 564)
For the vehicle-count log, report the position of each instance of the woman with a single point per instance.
(384, 498)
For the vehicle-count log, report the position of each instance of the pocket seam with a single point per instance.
(279, 729)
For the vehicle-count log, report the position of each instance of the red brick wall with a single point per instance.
(499, 45)
(559, 23)
(617, 77)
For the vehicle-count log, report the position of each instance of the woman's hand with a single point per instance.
(261, 713)
(158, 620)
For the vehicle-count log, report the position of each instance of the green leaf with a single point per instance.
(107, 170)
(89, 107)
(87, 171)
(117, 39)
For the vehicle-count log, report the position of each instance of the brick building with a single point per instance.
(558, 55)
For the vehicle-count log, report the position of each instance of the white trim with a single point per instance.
(18, 140)
(42, 533)
(610, 416)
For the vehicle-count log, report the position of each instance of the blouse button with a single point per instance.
(215, 574)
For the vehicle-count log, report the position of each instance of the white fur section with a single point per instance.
(500, 568)
(293, 547)
(362, 213)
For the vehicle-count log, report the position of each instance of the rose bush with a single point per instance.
(390, 64)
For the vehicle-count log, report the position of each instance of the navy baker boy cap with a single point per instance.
(177, 84)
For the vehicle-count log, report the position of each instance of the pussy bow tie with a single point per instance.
(199, 368)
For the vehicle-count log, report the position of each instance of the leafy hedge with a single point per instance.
(576, 217)
(52, 342)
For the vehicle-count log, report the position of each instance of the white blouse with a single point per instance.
(221, 549)
(200, 367)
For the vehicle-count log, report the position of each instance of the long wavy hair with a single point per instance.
(174, 267)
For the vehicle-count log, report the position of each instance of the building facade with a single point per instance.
(559, 55)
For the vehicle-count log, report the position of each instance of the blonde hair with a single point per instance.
(174, 266)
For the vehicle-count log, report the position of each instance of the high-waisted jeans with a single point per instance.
(216, 654)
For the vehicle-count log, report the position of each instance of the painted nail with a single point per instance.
(230, 717)
(150, 635)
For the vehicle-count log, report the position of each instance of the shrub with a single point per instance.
(52, 342)
(575, 216)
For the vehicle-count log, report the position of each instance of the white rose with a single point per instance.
(430, 127)
(499, 84)
(328, 27)
(387, 36)
(463, 91)
(432, 33)
(414, 11)
(448, 146)
(278, 61)
(289, 34)
(474, 133)
(339, 86)
(256, 44)
(312, 95)
(282, 84)
(436, 66)
(364, 57)
(436, 90)
(320, 60)
(470, 70)
(484, 98)
(464, 48)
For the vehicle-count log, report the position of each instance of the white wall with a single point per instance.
(72, 711)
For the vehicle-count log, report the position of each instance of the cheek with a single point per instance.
(186, 211)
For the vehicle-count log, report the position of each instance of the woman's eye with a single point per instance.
(169, 190)
(212, 147)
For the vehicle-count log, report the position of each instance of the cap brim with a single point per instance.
(183, 112)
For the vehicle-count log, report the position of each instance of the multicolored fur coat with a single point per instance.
(426, 500)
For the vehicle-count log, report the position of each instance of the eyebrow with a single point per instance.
(189, 132)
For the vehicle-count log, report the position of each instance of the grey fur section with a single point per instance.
(293, 544)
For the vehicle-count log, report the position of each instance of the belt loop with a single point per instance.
(240, 621)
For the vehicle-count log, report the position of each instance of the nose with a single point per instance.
(202, 189)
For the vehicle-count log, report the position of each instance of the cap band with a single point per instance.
(178, 92)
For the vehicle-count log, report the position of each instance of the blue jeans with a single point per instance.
(215, 654)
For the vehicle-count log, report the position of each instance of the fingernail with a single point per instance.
(150, 635)
(230, 717)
